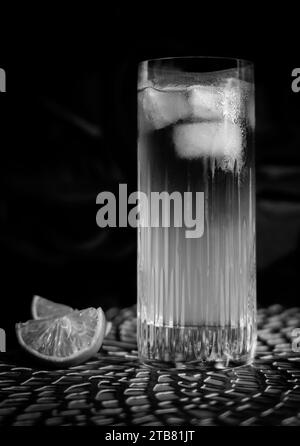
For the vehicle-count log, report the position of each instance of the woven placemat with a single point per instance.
(114, 388)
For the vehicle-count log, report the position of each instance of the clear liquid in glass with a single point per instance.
(197, 296)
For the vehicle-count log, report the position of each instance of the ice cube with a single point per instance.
(163, 108)
(210, 138)
(205, 103)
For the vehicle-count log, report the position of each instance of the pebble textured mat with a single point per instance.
(115, 389)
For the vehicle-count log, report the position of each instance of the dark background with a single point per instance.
(68, 132)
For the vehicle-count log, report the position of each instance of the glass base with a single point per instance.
(203, 348)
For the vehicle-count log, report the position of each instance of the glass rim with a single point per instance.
(216, 58)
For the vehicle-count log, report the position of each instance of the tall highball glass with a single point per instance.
(196, 284)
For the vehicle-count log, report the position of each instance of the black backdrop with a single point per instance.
(68, 131)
